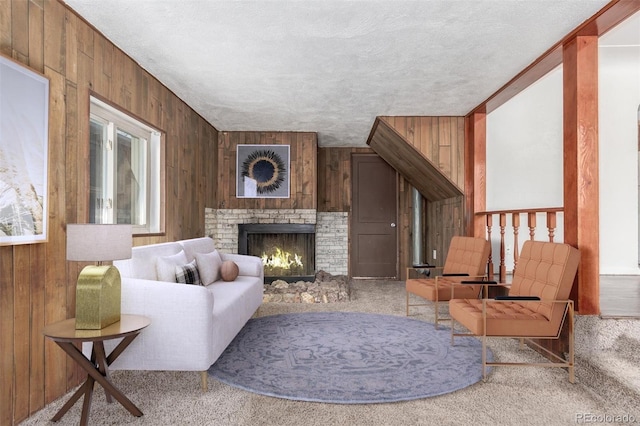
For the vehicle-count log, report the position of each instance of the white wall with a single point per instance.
(524, 151)
(524, 148)
(619, 97)
(524, 159)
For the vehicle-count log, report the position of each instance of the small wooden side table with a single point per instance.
(64, 333)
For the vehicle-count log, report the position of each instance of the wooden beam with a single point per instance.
(414, 166)
(581, 179)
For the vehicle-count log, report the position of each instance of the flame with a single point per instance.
(282, 259)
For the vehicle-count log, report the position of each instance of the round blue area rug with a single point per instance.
(347, 358)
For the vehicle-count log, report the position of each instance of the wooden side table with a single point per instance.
(64, 333)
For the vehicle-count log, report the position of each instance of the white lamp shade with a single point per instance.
(89, 242)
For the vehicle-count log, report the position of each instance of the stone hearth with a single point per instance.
(326, 288)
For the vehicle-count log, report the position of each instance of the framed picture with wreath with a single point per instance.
(262, 171)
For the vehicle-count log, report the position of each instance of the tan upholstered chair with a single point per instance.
(545, 273)
(466, 259)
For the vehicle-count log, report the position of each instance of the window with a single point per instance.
(125, 158)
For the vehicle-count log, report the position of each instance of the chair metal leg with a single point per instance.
(572, 377)
(453, 324)
(484, 358)
(407, 293)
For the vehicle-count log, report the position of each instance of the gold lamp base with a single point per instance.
(97, 297)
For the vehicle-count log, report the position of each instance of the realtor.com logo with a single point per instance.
(605, 418)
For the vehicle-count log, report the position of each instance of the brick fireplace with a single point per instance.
(331, 232)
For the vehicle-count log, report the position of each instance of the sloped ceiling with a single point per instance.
(332, 66)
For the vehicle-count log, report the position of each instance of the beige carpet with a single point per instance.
(510, 396)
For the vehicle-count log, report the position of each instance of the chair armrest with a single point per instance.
(425, 266)
(455, 275)
(483, 282)
(422, 269)
(516, 298)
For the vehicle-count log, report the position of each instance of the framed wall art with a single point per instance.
(262, 171)
(24, 137)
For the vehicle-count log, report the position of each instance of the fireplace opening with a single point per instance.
(287, 250)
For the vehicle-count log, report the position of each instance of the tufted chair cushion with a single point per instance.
(466, 255)
(545, 270)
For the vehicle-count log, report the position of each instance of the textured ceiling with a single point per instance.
(332, 66)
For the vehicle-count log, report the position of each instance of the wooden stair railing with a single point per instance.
(551, 213)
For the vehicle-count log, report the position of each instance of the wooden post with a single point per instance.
(581, 189)
(475, 166)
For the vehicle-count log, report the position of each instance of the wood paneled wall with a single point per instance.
(444, 219)
(334, 178)
(440, 139)
(303, 154)
(37, 284)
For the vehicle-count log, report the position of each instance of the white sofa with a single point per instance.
(191, 325)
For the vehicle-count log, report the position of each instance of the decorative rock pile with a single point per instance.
(326, 288)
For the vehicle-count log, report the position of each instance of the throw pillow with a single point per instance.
(166, 266)
(188, 274)
(209, 266)
(229, 270)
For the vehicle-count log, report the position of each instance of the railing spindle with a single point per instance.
(515, 221)
(531, 222)
(551, 224)
(490, 261)
(503, 267)
(551, 213)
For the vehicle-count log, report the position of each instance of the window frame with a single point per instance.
(105, 112)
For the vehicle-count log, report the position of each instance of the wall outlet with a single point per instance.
(434, 254)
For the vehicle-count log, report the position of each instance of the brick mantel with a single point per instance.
(331, 231)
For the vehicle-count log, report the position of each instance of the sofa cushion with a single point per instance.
(188, 274)
(251, 266)
(166, 266)
(209, 266)
(143, 262)
(197, 245)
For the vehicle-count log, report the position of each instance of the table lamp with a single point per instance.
(98, 287)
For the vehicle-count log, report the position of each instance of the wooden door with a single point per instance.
(374, 212)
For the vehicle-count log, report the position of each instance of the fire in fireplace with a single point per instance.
(287, 250)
